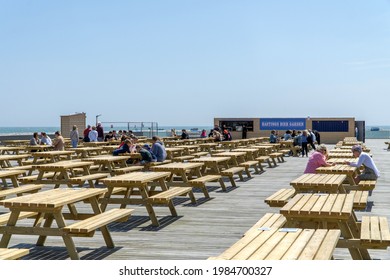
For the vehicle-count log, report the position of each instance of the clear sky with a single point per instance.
(184, 62)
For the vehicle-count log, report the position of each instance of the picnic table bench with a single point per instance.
(33, 188)
(13, 254)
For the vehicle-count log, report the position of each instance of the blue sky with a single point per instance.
(184, 62)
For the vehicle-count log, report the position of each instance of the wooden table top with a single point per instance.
(52, 198)
(177, 166)
(320, 206)
(87, 149)
(330, 180)
(136, 177)
(52, 153)
(284, 244)
(60, 165)
(230, 154)
(210, 159)
(13, 157)
(7, 173)
(341, 169)
(106, 158)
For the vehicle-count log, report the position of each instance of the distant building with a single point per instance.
(68, 121)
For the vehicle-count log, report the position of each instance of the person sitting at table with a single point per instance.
(45, 139)
(203, 134)
(370, 171)
(93, 135)
(184, 134)
(317, 159)
(58, 142)
(149, 149)
(287, 136)
(217, 136)
(273, 138)
(34, 141)
(124, 148)
(108, 137)
(158, 149)
(146, 157)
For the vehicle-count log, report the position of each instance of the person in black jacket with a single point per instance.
(184, 134)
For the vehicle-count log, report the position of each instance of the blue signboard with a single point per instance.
(282, 123)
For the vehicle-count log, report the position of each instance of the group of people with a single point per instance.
(303, 139)
(320, 156)
(155, 153)
(58, 143)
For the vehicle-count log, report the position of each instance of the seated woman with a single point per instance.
(124, 148)
(370, 172)
(146, 156)
(317, 159)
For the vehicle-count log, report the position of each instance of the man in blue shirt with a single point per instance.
(158, 149)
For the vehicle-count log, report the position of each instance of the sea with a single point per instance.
(163, 131)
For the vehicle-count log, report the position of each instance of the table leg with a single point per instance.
(11, 222)
(14, 181)
(107, 196)
(47, 224)
(149, 207)
(105, 232)
(70, 247)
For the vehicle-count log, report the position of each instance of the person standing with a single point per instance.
(304, 143)
(93, 135)
(273, 138)
(74, 136)
(100, 132)
(86, 133)
(244, 131)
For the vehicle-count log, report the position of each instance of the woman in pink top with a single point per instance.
(317, 159)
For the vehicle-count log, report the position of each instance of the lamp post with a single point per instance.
(97, 117)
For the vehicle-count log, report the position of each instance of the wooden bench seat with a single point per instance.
(360, 200)
(201, 183)
(23, 215)
(366, 185)
(280, 198)
(182, 158)
(278, 156)
(249, 164)
(231, 172)
(262, 159)
(32, 188)
(12, 254)
(200, 154)
(88, 226)
(166, 197)
(128, 169)
(33, 178)
(375, 232)
(285, 151)
(80, 180)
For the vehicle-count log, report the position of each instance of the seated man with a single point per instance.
(146, 157)
(58, 142)
(370, 171)
(125, 148)
(158, 149)
(45, 139)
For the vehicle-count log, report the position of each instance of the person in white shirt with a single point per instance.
(370, 171)
(93, 135)
(45, 139)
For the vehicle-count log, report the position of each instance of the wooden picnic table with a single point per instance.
(10, 150)
(12, 175)
(174, 151)
(183, 169)
(341, 160)
(60, 173)
(84, 152)
(274, 243)
(251, 153)
(37, 148)
(15, 142)
(332, 211)
(131, 182)
(188, 149)
(235, 157)
(208, 147)
(350, 171)
(52, 156)
(327, 183)
(264, 149)
(213, 163)
(5, 160)
(108, 163)
(48, 207)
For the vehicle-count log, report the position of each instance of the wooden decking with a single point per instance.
(210, 227)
